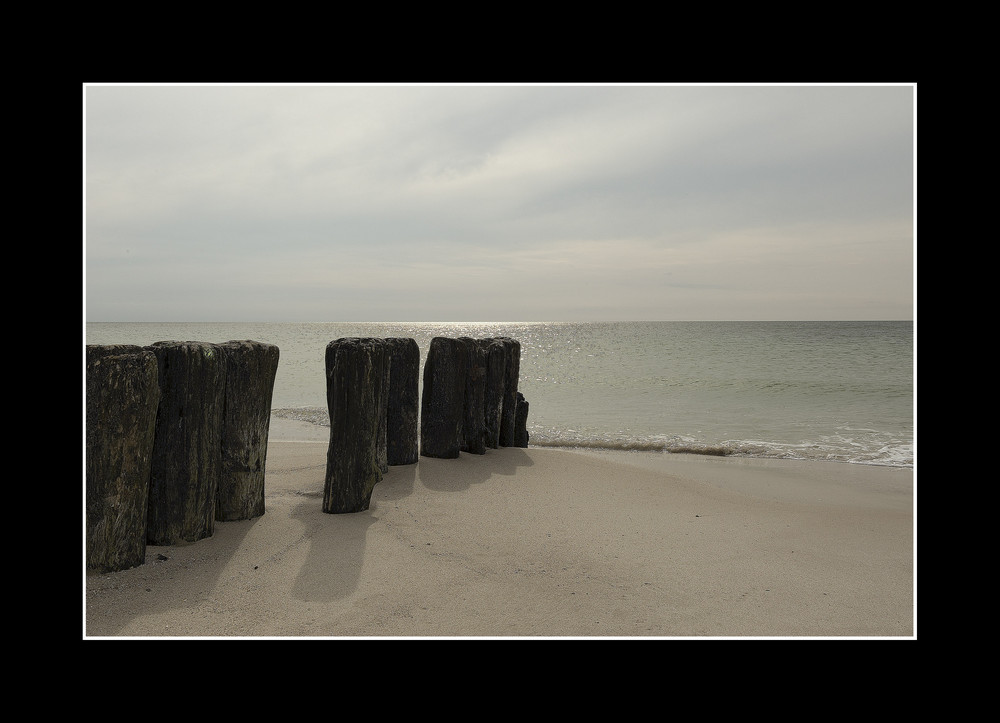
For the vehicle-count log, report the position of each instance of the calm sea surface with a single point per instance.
(803, 390)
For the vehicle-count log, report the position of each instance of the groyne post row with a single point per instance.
(176, 439)
(469, 401)
(177, 431)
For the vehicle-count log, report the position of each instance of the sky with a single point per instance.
(499, 202)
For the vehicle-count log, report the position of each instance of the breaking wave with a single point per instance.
(853, 448)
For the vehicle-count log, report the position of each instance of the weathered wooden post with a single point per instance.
(493, 389)
(512, 370)
(122, 397)
(403, 408)
(355, 390)
(521, 422)
(442, 404)
(382, 402)
(251, 367)
(474, 419)
(187, 458)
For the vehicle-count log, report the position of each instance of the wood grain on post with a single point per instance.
(495, 385)
(187, 458)
(512, 348)
(474, 416)
(122, 398)
(442, 402)
(403, 408)
(251, 367)
(356, 377)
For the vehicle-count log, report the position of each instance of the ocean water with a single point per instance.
(841, 391)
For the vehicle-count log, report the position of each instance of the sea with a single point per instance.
(810, 390)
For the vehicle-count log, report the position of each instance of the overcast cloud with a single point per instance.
(498, 203)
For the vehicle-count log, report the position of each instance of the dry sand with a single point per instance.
(539, 542)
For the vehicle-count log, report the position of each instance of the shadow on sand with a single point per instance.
(337, 541)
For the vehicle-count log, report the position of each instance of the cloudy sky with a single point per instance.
(498, 203)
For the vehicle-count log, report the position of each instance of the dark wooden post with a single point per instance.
(442, 403)
(355, 389)
(187, 458)
(251, 367)
(402, 433)
(474, 419)
(122, 397)
(512, 369)
(521, 422)
(381, 390)
(493, 389)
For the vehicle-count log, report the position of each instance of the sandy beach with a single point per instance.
(539, 542)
